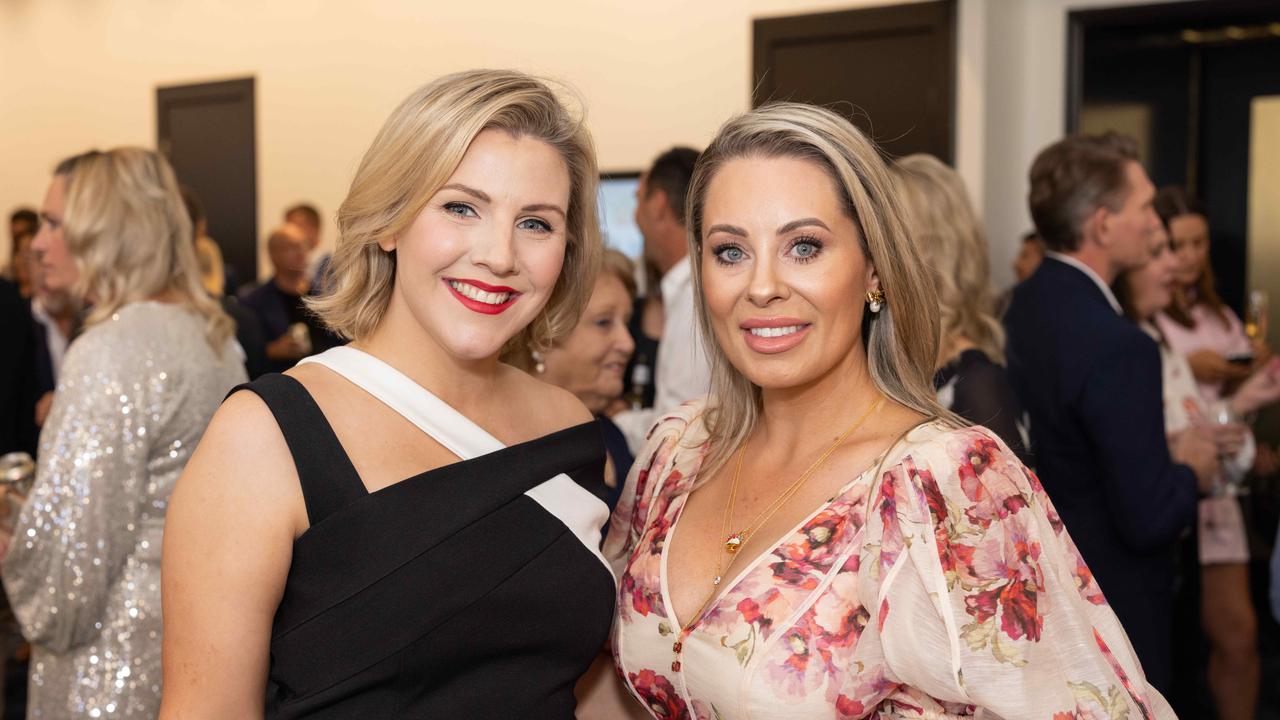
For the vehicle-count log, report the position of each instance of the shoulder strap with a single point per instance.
(415, 403)
(329, 481)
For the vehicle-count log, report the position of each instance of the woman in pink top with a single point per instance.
(1198, 324)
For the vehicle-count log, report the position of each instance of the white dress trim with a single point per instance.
(580, 511)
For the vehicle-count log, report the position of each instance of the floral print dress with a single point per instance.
(943, 586)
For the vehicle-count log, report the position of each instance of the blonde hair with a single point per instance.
(414, 154)
(901, 340)
(945, 227)
(128, 230)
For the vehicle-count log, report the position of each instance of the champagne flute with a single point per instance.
(1255, 322)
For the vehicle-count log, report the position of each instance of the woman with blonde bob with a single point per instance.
(136, 390)
(819, 538)
(970, 377)
(402, 527)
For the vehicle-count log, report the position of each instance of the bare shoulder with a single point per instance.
(243, 460)
(549, 408)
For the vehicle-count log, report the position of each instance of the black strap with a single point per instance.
(329, 480)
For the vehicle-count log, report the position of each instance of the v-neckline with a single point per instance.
(727, 587)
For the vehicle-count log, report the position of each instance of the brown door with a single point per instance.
(207, 133)
(890, 69)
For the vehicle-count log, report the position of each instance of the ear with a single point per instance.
(1096, 225)
(872, 279)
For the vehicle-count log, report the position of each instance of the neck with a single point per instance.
(402, 343)
(1096, 259)
(794, 418)
(292, 283)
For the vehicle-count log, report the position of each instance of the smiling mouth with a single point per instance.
(772, 332)
(481, 296)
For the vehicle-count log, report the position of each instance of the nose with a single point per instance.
(622, 340)
(765, 285)
(40, 243)
(496, 251)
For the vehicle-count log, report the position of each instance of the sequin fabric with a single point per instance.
(83, 568)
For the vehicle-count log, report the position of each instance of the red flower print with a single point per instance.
(750, 611)
(659, 695)
(982, 606)
(884, 613)
(848, 707)
(1021, 617)
(794, 574)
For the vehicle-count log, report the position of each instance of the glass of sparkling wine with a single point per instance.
(1255, 321)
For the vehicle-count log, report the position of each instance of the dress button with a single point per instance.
(675, 666)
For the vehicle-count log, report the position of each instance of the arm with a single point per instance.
(227, 547)
(75, 531)
(1150, 499)
(992, 605)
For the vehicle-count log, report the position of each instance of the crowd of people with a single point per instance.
(439, 472)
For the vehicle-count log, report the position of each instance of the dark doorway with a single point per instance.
(891, 68)
(207, 133)
(1181, 78)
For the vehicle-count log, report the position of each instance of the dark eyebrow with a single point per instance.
(731, 229)
(803, 222)
(544, 207)
(477, 194)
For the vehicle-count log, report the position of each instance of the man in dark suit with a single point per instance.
(1091, 383)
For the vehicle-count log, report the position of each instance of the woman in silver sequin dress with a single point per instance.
(136, 391)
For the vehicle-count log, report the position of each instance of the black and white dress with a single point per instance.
(473, 590)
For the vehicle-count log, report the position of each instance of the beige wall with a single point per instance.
(81, 73)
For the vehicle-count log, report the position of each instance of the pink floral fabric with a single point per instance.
(942, 586)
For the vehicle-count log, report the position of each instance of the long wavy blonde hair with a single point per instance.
(412, 157)
(950, 236)
(128, 231)
(901, 340)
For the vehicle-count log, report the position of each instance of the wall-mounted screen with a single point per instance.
(618, 213)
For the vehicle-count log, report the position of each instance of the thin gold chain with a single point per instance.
(773, 507)
(765, 515)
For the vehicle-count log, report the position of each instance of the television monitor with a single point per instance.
(618, 213)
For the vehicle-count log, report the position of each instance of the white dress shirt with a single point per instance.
(681, 370)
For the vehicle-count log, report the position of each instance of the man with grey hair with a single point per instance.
(1091, 382)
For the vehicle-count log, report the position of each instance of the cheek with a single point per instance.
(543, 263)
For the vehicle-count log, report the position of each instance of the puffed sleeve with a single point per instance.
(983, 601)
(647, 476)
(75, 530)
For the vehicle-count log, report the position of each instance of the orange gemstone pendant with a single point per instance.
(733, 543)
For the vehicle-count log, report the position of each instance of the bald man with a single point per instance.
(292, 333)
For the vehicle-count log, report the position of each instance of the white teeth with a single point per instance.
(475, 293)
(775, 332)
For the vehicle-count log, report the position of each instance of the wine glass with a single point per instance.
(1219, 414)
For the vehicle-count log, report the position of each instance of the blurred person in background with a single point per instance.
(1030, 255)
(589, 362)
(1091, 383)
(56, 313)
(290, 330)
(307, 218)
(970, 378)
(23, 221)
(213, 272)
(212, 275)
(1226, 608)
(137, 389)
(680, 370)
(1198, 323)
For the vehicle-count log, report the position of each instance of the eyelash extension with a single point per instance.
(807, 240)
(718, 249)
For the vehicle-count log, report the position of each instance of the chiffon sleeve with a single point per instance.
(984, 606)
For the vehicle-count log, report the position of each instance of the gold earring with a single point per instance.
(875, 300)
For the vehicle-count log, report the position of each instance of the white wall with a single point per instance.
(82, 73)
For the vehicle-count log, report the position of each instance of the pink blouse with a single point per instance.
(1209, 333)
(944, 587)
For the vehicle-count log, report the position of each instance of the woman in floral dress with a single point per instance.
(818, 538)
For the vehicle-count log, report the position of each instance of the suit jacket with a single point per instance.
(1091, 384)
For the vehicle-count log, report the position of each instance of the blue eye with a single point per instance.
(806, 249)
(460, 209)
(728, 254)
(535, 224)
